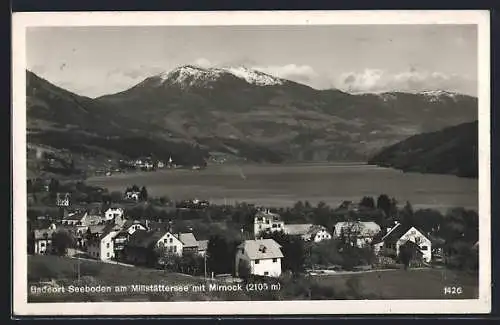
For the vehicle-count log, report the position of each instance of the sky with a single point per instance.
(94, 61)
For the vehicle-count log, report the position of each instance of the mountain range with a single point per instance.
(192, 113)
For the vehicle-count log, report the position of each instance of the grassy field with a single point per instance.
(392, 284)
(401, 284)
(65, 271)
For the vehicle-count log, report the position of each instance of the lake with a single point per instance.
(283, 185)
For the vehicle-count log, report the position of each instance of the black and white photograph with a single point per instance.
(274, 162)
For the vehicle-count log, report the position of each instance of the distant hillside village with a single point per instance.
(200, 238)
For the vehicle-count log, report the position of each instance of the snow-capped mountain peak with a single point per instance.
(191, 75)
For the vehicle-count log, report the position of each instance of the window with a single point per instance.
(175, 249)
(107, 245)
(266, 273)
(275, 260)
(107, 254)
(279, 225)
(171, 240)
(97, 254)
(42, 244)
(424, 248)
(257, 261)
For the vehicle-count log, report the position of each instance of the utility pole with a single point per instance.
(205, 264)
(78, 266)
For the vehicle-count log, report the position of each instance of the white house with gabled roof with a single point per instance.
(263, 257)
(266, 221)
(399, 235)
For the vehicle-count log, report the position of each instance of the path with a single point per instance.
(368, 271)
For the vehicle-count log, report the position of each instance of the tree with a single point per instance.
(406, 253)
(53, 186)
(221, 252)
(293, 249)
(350, 233)
(244, 269)
(325, 253)
(367, 202)
(384, 204)
(144, 194)
(61, 241)
(407, 214)
(134, 188)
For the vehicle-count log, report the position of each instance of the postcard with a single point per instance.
(248, 163)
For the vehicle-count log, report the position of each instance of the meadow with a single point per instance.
(380, 284)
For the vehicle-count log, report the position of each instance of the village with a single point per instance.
(354, 237)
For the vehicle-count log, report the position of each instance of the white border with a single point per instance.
(21, 21)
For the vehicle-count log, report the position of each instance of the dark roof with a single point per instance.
(397, 232)
(75, 215)
(144, 239)
(129, 223)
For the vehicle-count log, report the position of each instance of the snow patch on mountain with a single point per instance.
(436, 95)
(254, 77)
(190, 75)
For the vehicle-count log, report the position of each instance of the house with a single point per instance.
(189, 242)
(261, 256)
(202, 247)
(101, 245)
(160, 164)
(142, 245)
(265, 220)
(308, 232)
(399, 235)
(92, 219)
(358, 233)
(317, 233)
(74, 217)
(132, 195)
(120, 241)
(63, 199)
(130, 226)
(42, 240)
(112, 213)
(78, 231)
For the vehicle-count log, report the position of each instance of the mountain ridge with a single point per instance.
(453, 150)
(277, 122)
